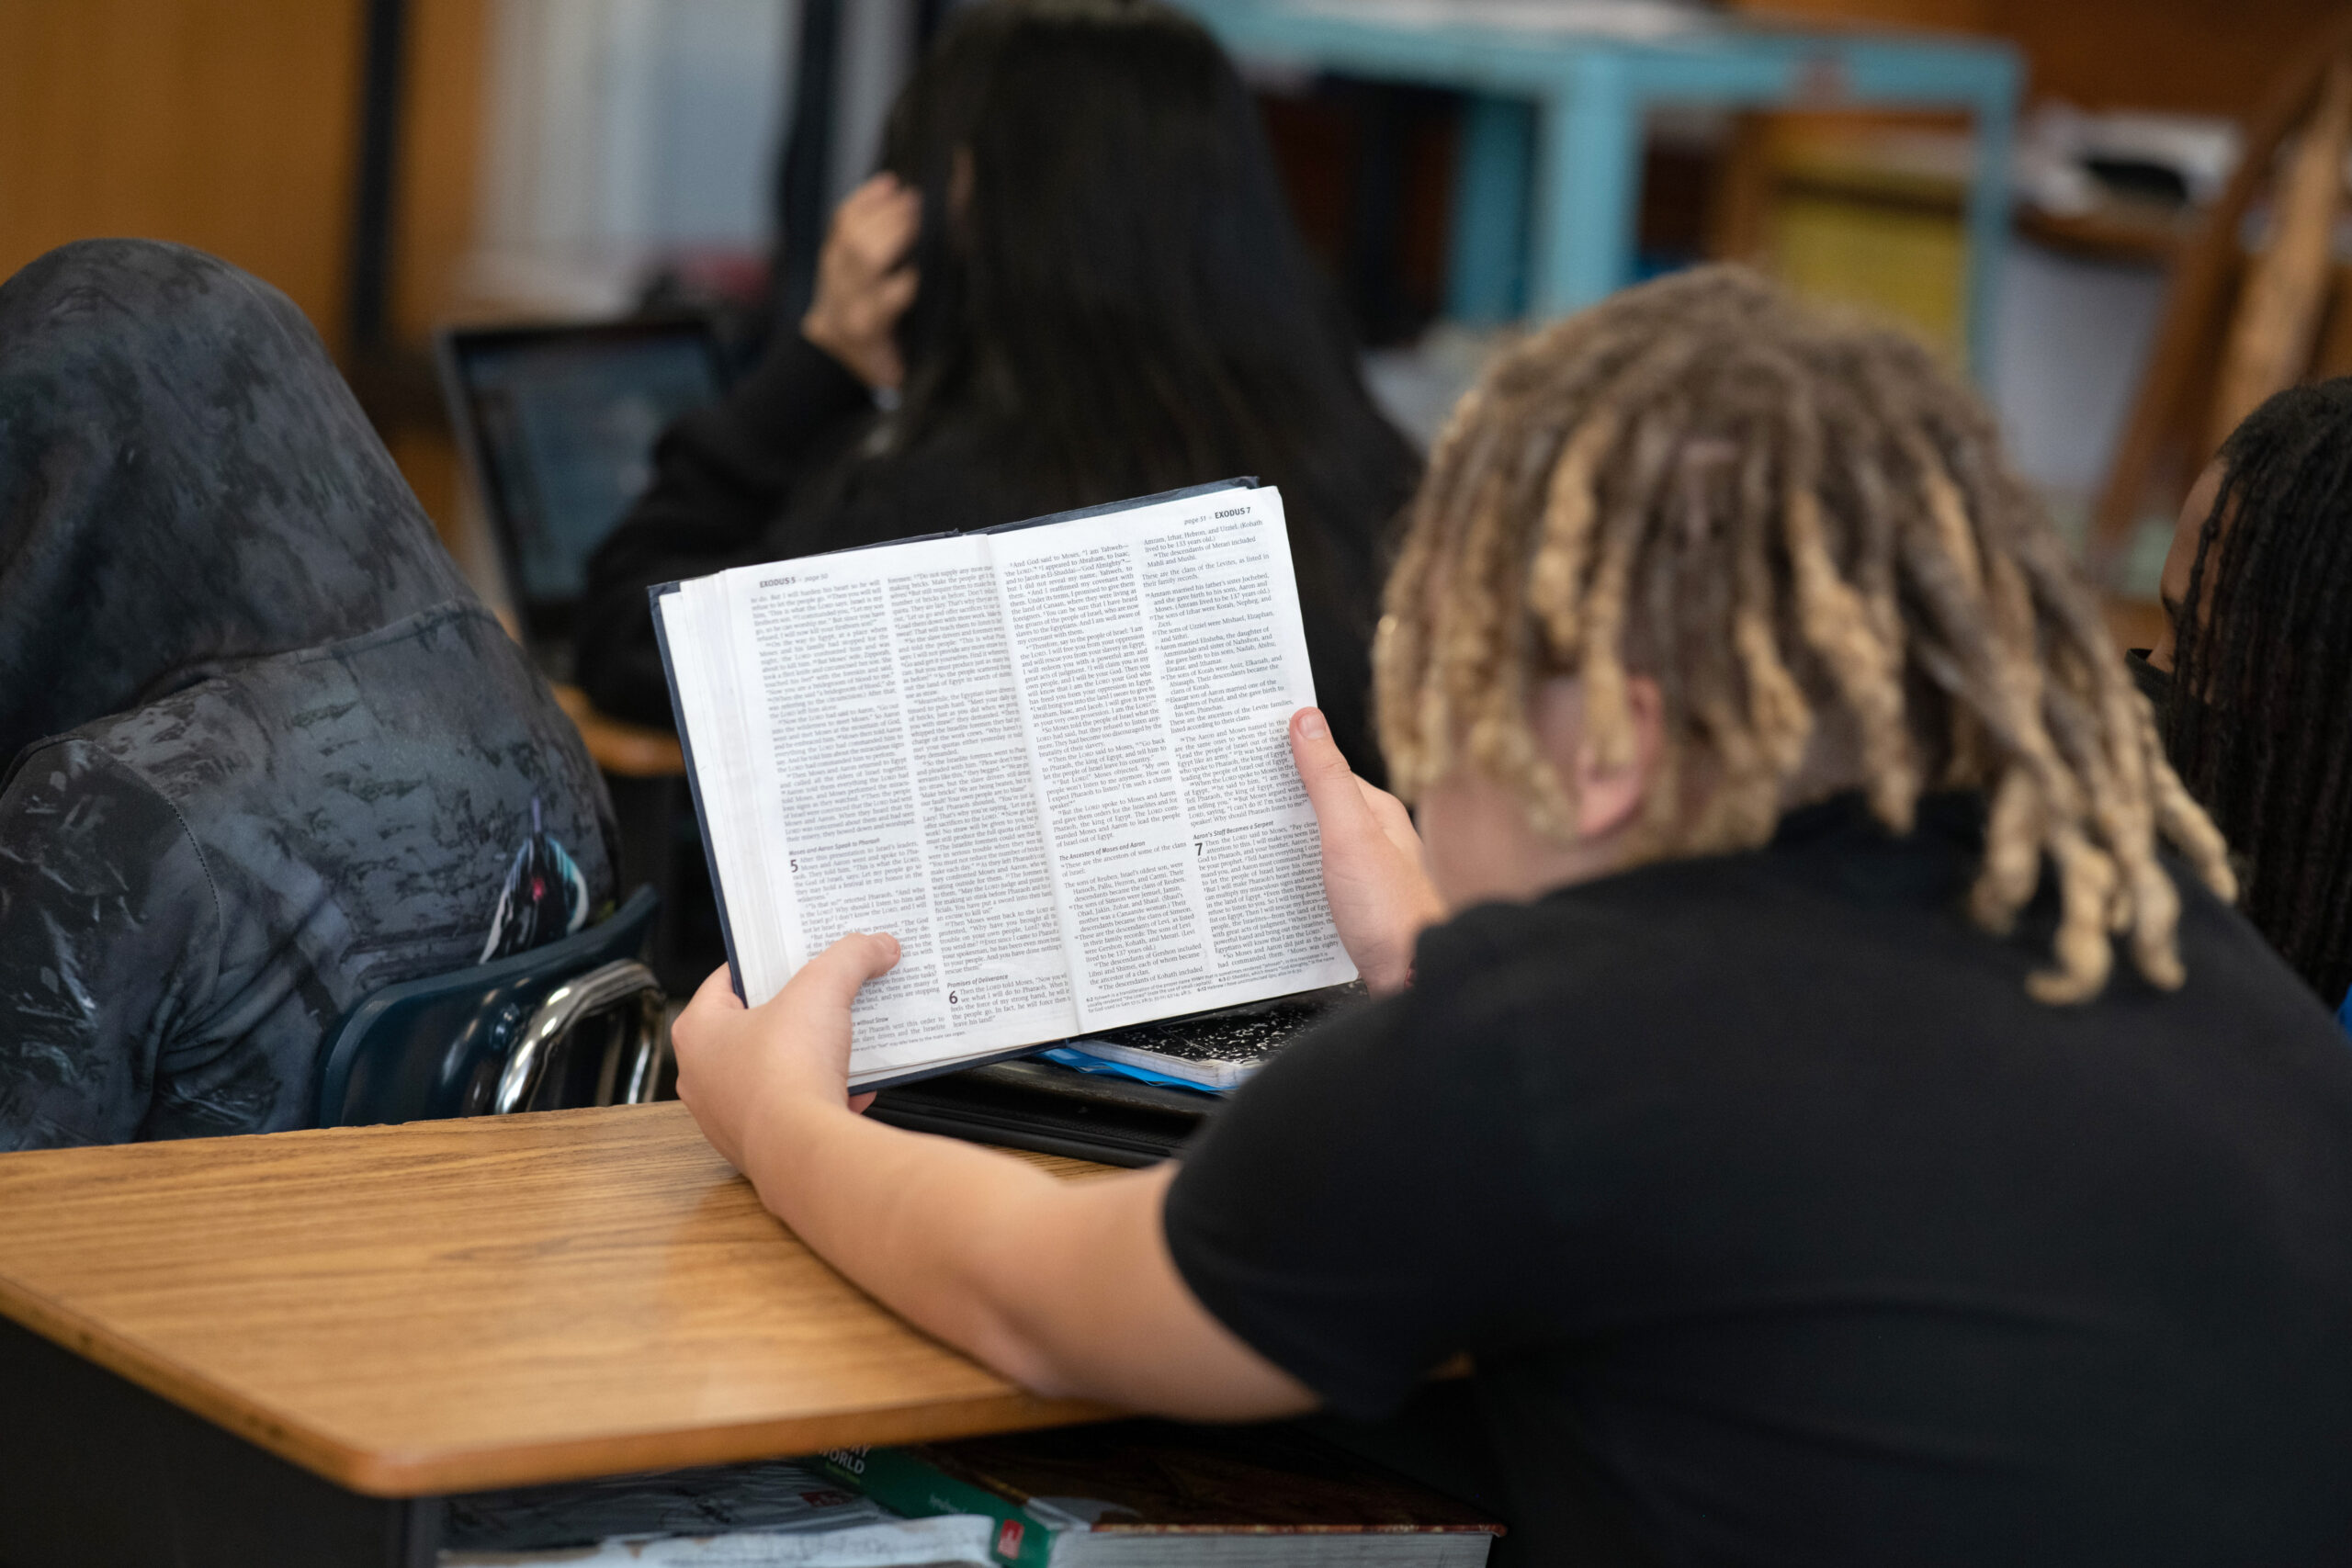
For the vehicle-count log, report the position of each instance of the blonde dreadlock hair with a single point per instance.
(1800, 527)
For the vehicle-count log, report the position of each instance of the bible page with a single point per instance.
(1159, 655)
(893, 792)
(698, 641)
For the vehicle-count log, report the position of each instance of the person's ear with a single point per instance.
(1607, 799)
(2172, 589)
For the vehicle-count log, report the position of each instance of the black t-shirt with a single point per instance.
(1784, 1227)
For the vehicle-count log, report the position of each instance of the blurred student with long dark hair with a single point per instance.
(2253, 689)
(1077, 282)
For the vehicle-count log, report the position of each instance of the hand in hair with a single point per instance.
(1373, 875)
(864, 285)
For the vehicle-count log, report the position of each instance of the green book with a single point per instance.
(1142, 1494)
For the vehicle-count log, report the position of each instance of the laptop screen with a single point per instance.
(560, 423)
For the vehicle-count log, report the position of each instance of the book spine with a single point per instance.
(902, 1481)
(654, 596)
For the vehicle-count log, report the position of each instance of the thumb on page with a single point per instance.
(832, 979)
(1330, 784)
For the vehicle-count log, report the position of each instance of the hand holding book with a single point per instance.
(1374, 878)
(733, 1061)
(1052, 764)
(1380, 896)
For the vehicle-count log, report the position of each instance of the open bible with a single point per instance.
(1050, 759)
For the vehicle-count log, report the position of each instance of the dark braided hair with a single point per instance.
(2259, 725)
(1802, 530)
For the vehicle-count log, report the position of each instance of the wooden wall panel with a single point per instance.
(1964, 16)
(448, 50)
(2190, 56)
(224, 124)
(433, 231)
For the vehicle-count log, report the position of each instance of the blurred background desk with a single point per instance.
(645, 770)
(286, 1349)
(621, 749)
(1549, 177)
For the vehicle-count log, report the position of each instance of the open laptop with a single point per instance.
(558, 422)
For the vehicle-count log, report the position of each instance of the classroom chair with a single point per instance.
(2238, 327)
(574, 1022)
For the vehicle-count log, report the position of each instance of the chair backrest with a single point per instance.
(2237, 329)
(512, 1034)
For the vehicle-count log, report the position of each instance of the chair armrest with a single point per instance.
(545, 1033)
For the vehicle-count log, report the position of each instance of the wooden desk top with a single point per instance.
(449, 1306)
(617, 746)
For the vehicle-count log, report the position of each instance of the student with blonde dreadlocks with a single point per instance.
(1833, 1125)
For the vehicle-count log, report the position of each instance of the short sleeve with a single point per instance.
(1361, 1213)
(105, 913)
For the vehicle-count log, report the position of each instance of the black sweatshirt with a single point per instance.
(771, 472)
(722, 475)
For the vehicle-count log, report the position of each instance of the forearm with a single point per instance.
(1064, 1287)
(933, 1228)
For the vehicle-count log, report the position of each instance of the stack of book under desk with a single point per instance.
(1131, 1494)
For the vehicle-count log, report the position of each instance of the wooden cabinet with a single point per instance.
(2188, 56)
(234, 126)
(230, 125)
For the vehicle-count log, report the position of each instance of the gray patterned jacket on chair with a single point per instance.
(268, 752)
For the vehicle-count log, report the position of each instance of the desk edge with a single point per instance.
(579, 1458)
(433, 1472)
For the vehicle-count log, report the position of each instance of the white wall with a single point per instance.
(621, 131)
(2069, 345)
(877, 51)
